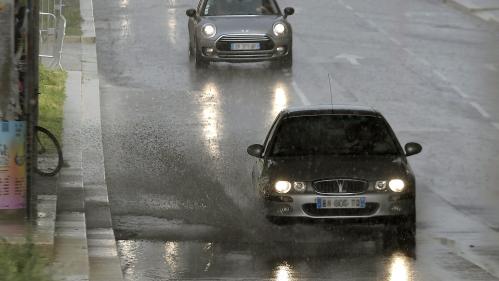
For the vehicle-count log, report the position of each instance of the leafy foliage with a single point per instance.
(22, 262)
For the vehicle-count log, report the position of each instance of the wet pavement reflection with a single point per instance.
(175, 141)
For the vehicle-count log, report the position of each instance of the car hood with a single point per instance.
(243, 24)
(316, 168)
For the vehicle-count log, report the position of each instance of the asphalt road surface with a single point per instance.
(175, 141)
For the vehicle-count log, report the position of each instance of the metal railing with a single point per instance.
(52, 31)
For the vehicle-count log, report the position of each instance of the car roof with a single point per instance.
(336, 109)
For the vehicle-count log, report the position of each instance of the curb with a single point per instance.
(484, 13)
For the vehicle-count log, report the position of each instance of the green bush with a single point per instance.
(22, 263)
(51, 99)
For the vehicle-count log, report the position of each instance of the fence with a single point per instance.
(52, 31)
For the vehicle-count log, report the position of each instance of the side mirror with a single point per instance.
(255, 150)
(412, 148)
(288, 11)
(190, 13)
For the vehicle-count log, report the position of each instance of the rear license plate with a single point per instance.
(244, 46)
(341, 203)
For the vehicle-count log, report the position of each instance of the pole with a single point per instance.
(32, 90)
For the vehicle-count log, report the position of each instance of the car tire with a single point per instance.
(287, 61)
(278, 220)
(199, 61)
(400, 233)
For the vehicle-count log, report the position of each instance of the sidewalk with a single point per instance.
(487, 10)
(73, 225)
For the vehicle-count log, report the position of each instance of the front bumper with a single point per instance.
(272, 49)
(378, 205)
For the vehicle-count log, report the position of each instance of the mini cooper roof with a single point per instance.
(336, 109)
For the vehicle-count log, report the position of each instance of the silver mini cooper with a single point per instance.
(240, 31)
(335, 163)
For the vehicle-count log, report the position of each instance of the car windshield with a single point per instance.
(239, 7)
(333, 135)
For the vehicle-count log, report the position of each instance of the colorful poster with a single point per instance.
(12, 165)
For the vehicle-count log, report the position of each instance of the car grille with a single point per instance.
(223, 43)
(311, 210)
(340, 186)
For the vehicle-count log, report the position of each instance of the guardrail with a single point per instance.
(52, 31)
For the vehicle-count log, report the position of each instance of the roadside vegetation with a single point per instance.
(51, 99)
(71, 12)
(22, 263)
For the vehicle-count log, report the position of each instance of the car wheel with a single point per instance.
(191, 52)
(199, 60)
(400, 233)
(287, 61)
(278, 220)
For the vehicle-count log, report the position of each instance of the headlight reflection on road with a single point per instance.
(399, 268)
(283, 272)
(123, 3)
(280, 99)
(128, 249)
(171, 255)
(172, 26)
(125, 26)
(210, 117)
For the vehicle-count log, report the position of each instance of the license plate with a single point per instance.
(244, 46)
(341, 203)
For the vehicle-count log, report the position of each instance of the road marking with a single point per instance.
(440, 75)
(394, 40)
(424, 61)
(496, 125)
(490, 67)
(349, 7)
(407, 50)
(300, 93)
(353, 59)
(480, 109)
(460, 92)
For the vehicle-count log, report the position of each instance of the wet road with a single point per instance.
(175, 141)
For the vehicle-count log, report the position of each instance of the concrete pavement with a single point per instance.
(487, 10)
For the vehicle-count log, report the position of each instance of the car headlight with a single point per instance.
(380, 185)
(299, 186)
(396, 185)
(279, 29)
(282, 186)
(209, 30)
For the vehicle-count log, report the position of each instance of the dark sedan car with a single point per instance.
(240, 31)
(335, 163)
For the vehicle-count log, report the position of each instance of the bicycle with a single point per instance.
(49, 153)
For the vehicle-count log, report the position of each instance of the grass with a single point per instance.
(51, 100)
(71, 12)
(22, 262)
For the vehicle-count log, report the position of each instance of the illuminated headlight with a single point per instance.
(282, 186)
(299, 186)
(396, 185)
(380, 185)
(279, 29)
(209, 30)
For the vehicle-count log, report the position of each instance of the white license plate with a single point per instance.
(341, 203)
(244, 46)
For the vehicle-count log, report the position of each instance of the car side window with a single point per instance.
(271, 133)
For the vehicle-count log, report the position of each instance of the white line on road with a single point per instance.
(300, 93)
(349, 7)
(491, 67)
(496, 125)
(394, 40)
(407, 50)
(480, 109)
(440, 75)
(460, 92)
(424, 61)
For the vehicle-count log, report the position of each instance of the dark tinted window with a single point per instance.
(239, 7)
(333, 135)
